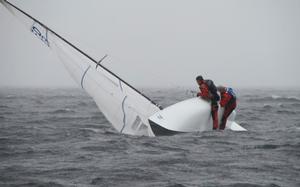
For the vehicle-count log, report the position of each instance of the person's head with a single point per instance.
(221, 89)
(199, 80)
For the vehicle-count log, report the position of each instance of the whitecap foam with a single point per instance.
(91, 129)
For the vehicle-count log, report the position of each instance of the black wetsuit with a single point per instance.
(214, 102)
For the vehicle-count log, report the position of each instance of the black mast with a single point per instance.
(80, 51)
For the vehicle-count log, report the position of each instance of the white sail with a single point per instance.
(124, 107)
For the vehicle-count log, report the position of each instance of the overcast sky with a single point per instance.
(163, 43)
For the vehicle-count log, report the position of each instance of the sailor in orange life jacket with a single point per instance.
(228, 101)
(209, 93)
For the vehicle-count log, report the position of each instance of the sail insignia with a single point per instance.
(41, 32)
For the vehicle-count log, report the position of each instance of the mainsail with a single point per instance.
(125, 107)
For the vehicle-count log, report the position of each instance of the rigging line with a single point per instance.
(79, 50)
(84, 74)
(124, 117)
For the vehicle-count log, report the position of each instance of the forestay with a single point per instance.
(124, 107)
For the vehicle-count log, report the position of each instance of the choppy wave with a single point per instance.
(275, 98)
(91, 130)
(4, 107)
(295, 105)
(10, 96)
(65, 110)
(287, 112)
(66, 141)
(38, 183)
(267, 146)
(267, 106)
(251, 185)
(273, 146)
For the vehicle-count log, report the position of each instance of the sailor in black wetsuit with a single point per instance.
(209, 92)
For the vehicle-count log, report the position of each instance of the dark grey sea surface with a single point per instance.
(58, 137)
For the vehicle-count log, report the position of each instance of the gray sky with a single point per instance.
(163, 43)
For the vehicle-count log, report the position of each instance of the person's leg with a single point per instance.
(214, 114)
(224, 118)
(227, 111)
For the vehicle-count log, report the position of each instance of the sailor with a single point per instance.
(228, 102)
(208, 91)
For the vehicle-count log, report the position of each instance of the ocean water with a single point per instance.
(58, 137)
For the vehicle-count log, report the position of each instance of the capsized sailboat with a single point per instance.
(125, 107)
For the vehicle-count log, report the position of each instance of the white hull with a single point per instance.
(191, 115)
